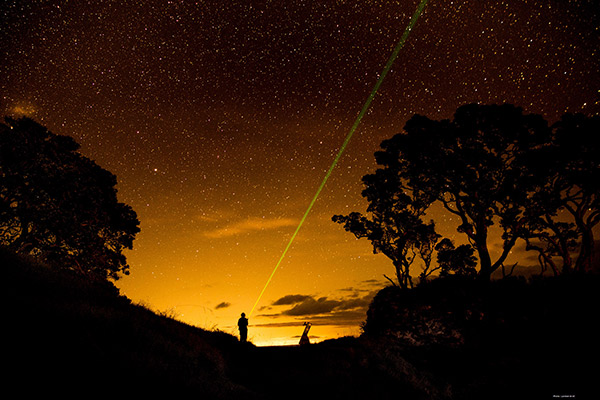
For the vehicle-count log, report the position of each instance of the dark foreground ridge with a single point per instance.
(69, 336)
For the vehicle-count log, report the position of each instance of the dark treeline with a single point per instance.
(489, 165)
(60, 206)
(539, 183)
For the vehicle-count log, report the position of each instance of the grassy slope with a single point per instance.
(66, 334)
(69, 336)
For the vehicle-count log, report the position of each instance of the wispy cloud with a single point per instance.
(290, 299)
(347, 310)
(325, 305)
(223, 304)
(252, 224)
(312, 306)
(365, 286)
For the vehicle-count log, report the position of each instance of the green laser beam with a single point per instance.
(360, 116)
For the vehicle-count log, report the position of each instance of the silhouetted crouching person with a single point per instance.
(304, 339)
(243, 326)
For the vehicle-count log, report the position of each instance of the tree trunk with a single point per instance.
(400, 275)
(566, 256)
(584, 260)
(562, 246)
(508, 245)
(485, 261)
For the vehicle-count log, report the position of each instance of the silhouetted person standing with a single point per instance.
(243, 326)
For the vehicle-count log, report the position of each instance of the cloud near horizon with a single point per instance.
(222, 304)
(325, 309)
(251, 224)
(290, 299)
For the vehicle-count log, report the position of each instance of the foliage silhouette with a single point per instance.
(60, 206)
(395, 228)
(455, 260)
(570, 166)
(490, 164)
(507, 338)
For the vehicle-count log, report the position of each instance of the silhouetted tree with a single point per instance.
(578, 140)
(570, 166)
(58, 205)
(455, 260)
(489, 165)
(545, 233)
(474, 166)
(394, 225)
(551, 238)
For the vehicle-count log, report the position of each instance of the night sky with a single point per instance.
(220, 119)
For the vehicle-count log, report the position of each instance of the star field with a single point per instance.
(220, 118)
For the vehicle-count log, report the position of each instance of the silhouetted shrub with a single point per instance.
(453, 310)
(509, 338)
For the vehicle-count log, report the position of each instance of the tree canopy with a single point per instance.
(490, 164)
(59, 205)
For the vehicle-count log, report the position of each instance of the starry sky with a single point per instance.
(220, 119)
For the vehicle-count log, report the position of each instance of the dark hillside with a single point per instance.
(339, 369)
(503, 339)
(448, 340)
(66, 334)
(69, 336)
